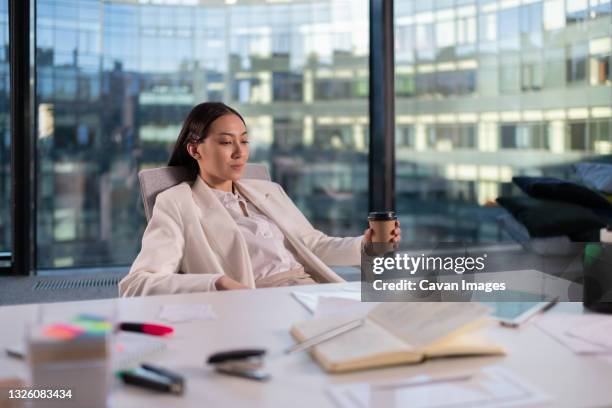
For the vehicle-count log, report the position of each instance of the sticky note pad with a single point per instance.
(62, 331)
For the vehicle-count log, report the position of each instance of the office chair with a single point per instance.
(154, 181)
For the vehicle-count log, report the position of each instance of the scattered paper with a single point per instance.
(331, 306)
(310, 299)
(186, 312)
(607, 358)
(492, 387)
(598, 332)
(129, 349)
(563, 326)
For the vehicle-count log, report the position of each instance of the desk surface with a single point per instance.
(261, 318)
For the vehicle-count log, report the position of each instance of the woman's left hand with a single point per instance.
(396, 234)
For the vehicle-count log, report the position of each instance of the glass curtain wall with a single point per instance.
(115, 80)
(5, 135)
(487, 90)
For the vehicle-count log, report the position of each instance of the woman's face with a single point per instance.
(225, 151)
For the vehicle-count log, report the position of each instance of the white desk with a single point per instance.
(261, 318)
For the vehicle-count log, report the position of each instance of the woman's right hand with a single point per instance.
(227, 283)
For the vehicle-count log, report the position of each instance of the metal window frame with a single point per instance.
(381, 183)
(23, 147)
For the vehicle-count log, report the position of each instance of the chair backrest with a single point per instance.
(154, 181)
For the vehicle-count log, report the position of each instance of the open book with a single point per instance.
(399, 333)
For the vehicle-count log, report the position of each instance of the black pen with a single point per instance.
(164, 372)
(153, 380)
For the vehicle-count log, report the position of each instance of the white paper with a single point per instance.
(186, 312)
(560, 326)
(131, 348)
(310, 299)
(597, 332)
(331, 306)
(606, 358)
(492, 387)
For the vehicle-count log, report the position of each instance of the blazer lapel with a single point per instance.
(266, 205)
(274, 210)
(259, 200)
(223, 234)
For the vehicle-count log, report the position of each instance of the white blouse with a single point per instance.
(265, 241)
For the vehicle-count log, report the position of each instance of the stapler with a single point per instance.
(246, 363)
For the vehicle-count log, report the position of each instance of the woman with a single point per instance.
(220, 232)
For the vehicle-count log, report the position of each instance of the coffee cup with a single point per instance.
(382, 224)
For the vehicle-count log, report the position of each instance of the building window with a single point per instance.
(332, 89)
(405, 85)
(577, 133)
(600, 8)
(448, 137)
(531, 25)
(531, 76)
(508, 26)
(508, 136)
(455, 82)
(576, 63)
(288, 134)
(405, 137)
(576, 11)
(334, 137)
(287, 86)
(600, 70)
(524, 136)
(600, 140)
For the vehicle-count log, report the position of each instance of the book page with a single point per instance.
(464, 344)
(421, 324)
(364, 342)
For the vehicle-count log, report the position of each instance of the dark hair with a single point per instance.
(195, 130)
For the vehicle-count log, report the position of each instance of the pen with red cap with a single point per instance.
(146, 328)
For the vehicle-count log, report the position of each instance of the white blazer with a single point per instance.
(191, 236)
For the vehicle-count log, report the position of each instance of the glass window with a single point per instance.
(331, 89)
(601, 137)
(531, 76)
(600, 70)
(523, 136)
(288, 134)
(576, 63)
(531, 25)
(405, 137)
(425, 46)
(112, 95)
(600, 8)
(287, 86)
(577, 132)
(508, 26)
(577, 10)
(532, 97)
